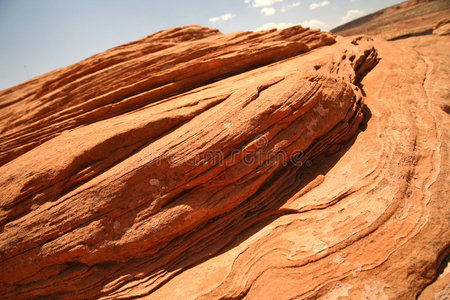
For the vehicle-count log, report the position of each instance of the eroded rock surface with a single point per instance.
(196, 165)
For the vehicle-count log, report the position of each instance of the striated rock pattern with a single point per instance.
(136, 74)
(197, 165)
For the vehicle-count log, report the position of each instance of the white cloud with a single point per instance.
(268, 11)
(224, 17)
(272, 25)
(313, 24)
(351, 15)
(262, 3)
(286, 7)
(317, 5)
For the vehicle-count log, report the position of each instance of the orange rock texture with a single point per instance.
(193, 164)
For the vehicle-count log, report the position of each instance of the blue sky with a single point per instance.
(37, 36)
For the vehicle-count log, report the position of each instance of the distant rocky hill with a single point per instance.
(413, 17)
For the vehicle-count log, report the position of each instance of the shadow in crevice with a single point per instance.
(367, 115)
(443, 265)
(405, 36)
(446, 108)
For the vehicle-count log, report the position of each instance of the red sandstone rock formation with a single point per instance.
(196, 165)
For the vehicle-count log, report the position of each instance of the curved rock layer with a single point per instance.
(196, 165)
(136, 74)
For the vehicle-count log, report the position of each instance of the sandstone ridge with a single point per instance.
(199, 165)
